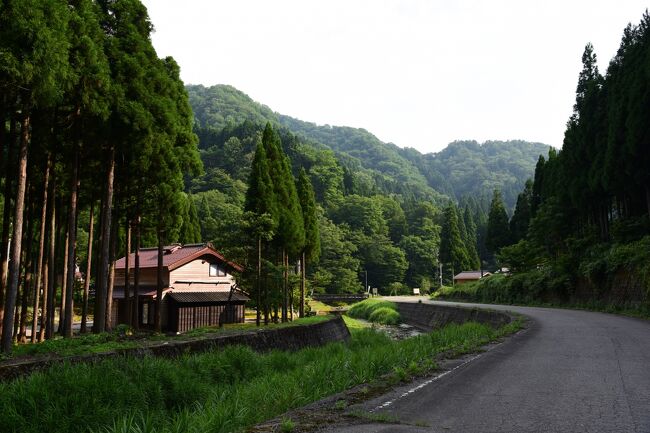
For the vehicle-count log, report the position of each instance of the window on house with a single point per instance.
(216, 270)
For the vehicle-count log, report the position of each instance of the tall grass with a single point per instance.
(220, 391)
(376, 310)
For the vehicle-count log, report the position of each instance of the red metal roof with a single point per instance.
(175, 256)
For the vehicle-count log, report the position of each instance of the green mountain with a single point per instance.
(467, 168)
(462, 169)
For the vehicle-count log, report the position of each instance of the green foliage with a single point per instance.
(459, 292)
(519, 257)
(366, 165)
(471, 243)
(589, 205)
(221, 106)
(521, 218)
(287, 425)
(365, 310)
(222, 390)
(190, 231)
(470, 169)
(377, 210)
(384, 316)
(290, 234)
(498, 229)
(422, 258)
(452, 248)
(309, 217)
(338, 268)
(384, 262)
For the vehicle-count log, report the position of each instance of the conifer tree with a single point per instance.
(41, 71)
(536, 193)
(190, 232)
(470, 241)
(262, 219)
(311, 250)
(498, 229)
(290, 234)
(521, 217)
(452, 247)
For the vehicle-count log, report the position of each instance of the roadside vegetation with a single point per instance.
(530, 289)
(223, 390)
(376, 311)
(124, 338)
(580, 232)
(460, 292)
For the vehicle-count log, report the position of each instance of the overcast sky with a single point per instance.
(417, 73)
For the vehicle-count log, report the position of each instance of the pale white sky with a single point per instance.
(414, 72)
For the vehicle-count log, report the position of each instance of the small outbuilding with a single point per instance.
(199, 288)
(469, 276)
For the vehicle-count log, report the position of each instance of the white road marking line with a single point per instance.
(435, 378)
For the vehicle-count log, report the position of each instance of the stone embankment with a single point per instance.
(288, 338)
(428, 316)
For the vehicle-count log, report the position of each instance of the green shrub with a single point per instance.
(385, 316)
(367, 309)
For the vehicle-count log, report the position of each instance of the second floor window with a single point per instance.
(216, 270)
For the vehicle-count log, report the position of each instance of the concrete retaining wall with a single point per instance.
(289, 338)
(429, 316)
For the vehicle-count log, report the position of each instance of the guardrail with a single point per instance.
(347, 298)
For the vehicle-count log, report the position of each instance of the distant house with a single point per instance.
(198, 287)
(468, 276)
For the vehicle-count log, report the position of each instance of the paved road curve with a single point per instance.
(571, 371)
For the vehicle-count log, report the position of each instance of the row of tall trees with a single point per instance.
(388, 241)
(596, 190)
(93, 123)
(282, 217)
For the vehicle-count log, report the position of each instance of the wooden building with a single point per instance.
(199, 288)
(469, 276)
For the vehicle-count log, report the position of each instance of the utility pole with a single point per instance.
(366, 286)
(440, 273)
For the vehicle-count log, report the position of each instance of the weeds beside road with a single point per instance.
(223, 390)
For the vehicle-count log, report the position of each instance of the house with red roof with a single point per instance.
(199, 288)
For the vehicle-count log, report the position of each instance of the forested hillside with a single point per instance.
(467, 168)
(462, 169)
(582, 228)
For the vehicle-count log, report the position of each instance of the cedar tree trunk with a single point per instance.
(14, 265)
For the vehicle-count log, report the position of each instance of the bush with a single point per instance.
(363, 309)
(385, 316)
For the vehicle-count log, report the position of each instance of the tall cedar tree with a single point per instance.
(521, 217)
(311, 250)
(470, 241)
(263, 218)
(290, 234)
(498, 229)
(452, 247)
(35, 45)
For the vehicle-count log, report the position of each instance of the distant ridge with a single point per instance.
(462, 169)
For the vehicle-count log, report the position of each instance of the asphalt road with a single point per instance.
(570, 371)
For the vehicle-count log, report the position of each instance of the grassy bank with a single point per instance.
(376, 311)
(122, 338)
(219, 391)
